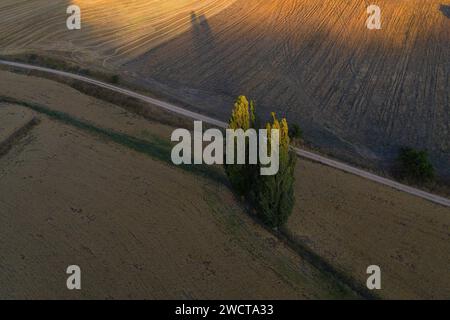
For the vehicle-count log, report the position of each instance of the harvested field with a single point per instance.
(358, 94)
(112, 211)
(12, 121)
(62, 98)
(112, 30)
(95, 201)
(354, 223)
(350, 222)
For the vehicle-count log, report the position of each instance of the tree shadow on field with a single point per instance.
(445, 9)
(202, 36)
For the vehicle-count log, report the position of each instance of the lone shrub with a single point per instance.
(295, 132)
(415, 166)
(115, 79)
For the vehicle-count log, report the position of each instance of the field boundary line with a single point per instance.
(7, 144)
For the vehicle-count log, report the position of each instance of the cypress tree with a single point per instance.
(271, 196)
(242, 176)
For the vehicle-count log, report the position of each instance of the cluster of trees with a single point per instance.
(271, 196)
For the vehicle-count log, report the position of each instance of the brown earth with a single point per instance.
(348, 221)
(112, 30)
(358, 94)
(137, 227)
(68, 197)
(354, 223)
(12, 120)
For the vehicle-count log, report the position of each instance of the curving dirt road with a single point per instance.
(173, 108)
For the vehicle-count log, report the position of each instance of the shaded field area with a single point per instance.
(359, 94)
(136, 227)
(353, 223)
(14, 122)
(136, 222)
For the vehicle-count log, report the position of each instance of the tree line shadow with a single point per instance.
(202, 36)
(445, 9)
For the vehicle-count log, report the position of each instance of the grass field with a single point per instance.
(67, 167)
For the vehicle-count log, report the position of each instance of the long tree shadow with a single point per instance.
(202, 36)
(315, 78)
(445, 9)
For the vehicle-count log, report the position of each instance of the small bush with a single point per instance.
(295, 132)
(115, 79)
(85, 72)
(414, 166)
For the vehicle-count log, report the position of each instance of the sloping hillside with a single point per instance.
(359, 94)
(111, 30)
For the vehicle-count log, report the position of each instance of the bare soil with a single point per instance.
(12, 120)
(137, 226)
(354, 223)
(359, 95)
(350, 222)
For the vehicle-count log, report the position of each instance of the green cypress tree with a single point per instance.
(273, 196)
(242, 176)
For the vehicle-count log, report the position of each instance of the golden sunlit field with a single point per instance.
(112, 30)
(358, 94)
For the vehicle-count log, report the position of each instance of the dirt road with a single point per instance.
(196, 116)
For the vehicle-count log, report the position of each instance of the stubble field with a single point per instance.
(79, 188)
(358, 94)
(123, 214)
